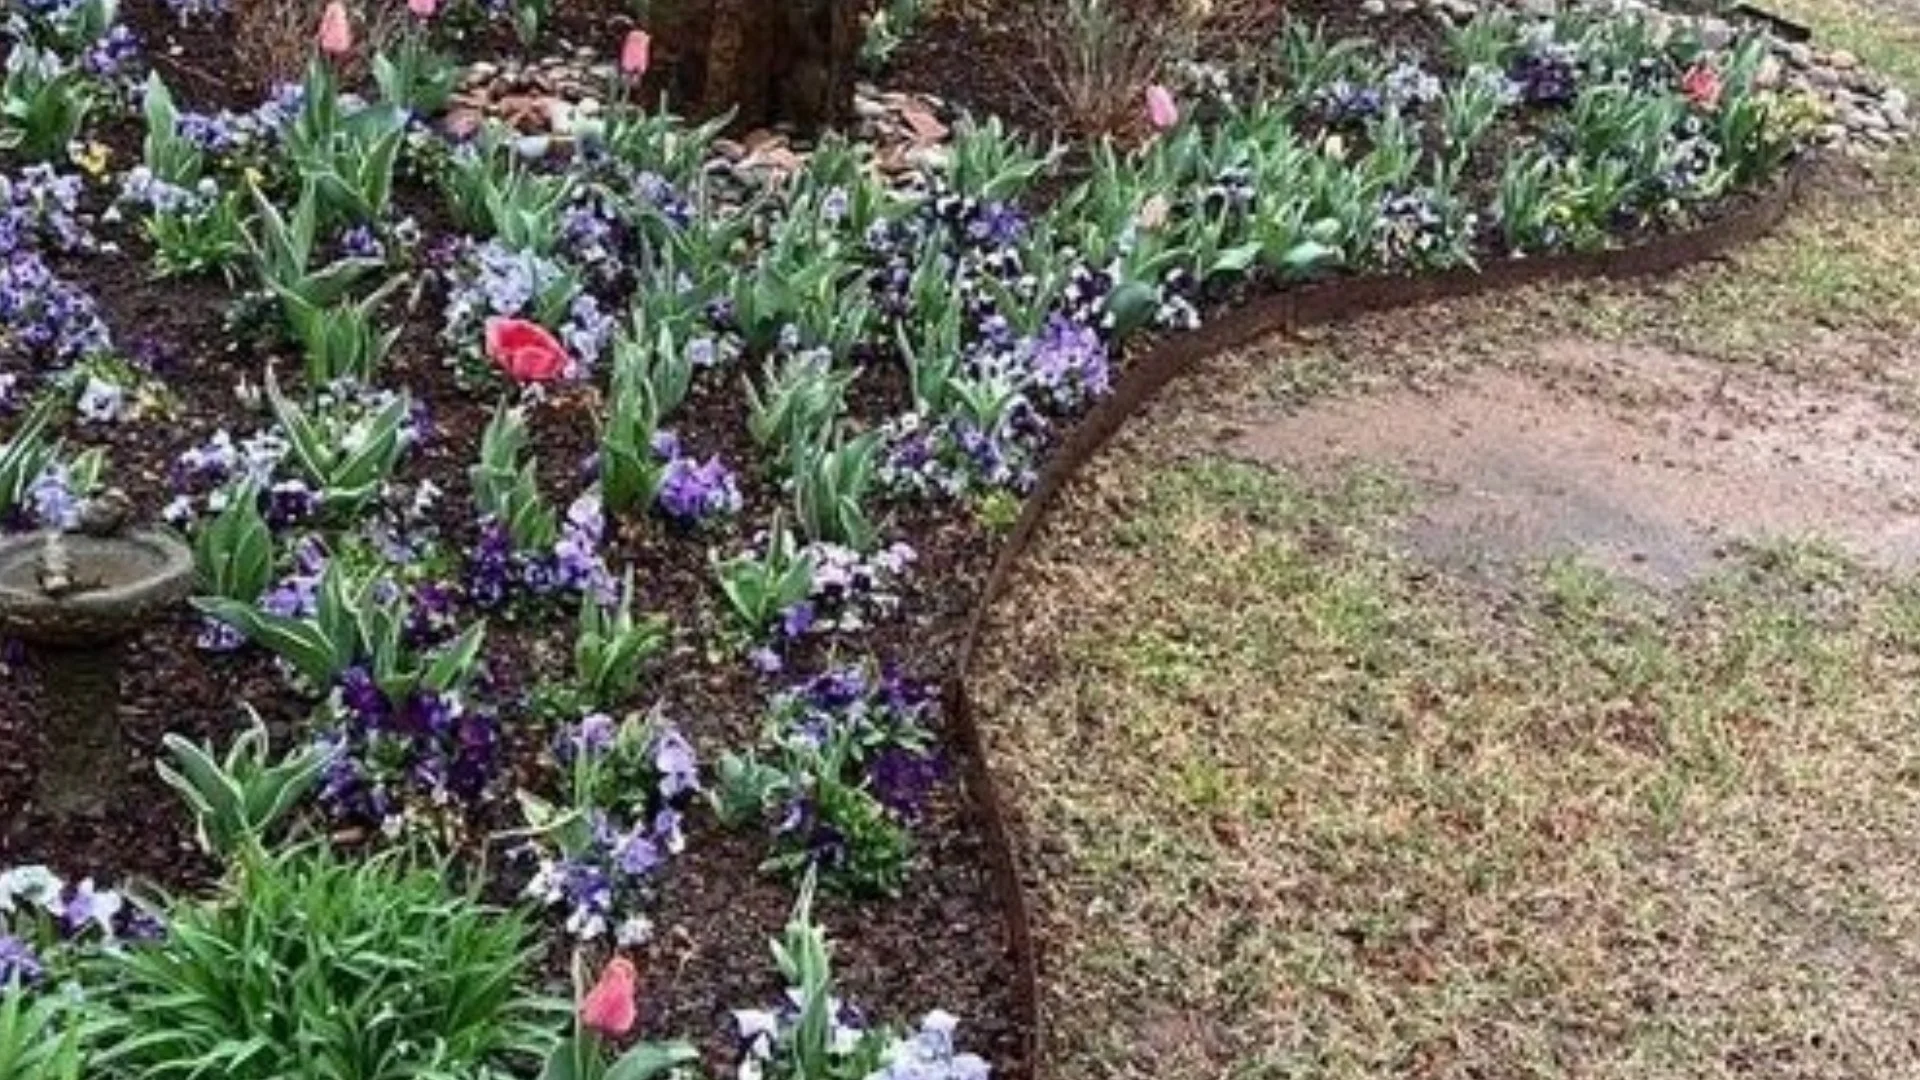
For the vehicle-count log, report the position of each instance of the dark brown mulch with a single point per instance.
(940, 945)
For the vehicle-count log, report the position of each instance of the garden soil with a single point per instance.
(1649, 463)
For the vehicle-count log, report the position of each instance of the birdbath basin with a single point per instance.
(72, 599)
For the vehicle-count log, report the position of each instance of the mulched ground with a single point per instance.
(940, 945)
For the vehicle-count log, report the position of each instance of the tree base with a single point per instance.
(771, 62)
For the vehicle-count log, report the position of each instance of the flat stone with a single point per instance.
(1373, 9)
(1894, 100)
(1842, 60)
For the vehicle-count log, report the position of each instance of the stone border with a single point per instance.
(1140, 385)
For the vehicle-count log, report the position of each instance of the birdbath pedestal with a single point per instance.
(73, 599)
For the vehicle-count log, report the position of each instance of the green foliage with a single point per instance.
(888, 26)
(26, 455)
(42, 1036)
(990, 162)
(346, 158)
(356, 617)
(283, 254)
(237, 799)
(507, 489)
(43, 102)
(370, 969)
(491, 192)
(169, 156)
(832, 478)
(234, 551)
(341, 341)
(613, 647)
(347, 459)
(820, 760)
(759, 589)
(416, 78)
(1489, 40)
(799, 398)
(209, 234)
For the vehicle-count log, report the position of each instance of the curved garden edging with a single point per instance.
(1140, 385)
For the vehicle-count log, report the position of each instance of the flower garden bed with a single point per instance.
(606, 509)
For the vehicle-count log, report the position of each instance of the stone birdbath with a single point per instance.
(73, 598)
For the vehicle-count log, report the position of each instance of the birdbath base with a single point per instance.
(85, 753)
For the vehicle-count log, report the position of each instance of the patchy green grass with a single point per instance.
(1303, 809)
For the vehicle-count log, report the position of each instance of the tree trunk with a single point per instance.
(770, 61)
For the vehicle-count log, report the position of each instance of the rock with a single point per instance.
(1897, 119)
(589, 106)
(1715, 33)
(1800, 54)
(929, 159)
(1833, 133)
(462, 123)
(533, 147)
(1894, 100)
(1865, 120)
(1373, 9)
(1842, 60)
(481, 73)
(1768, 74)
(866, 108)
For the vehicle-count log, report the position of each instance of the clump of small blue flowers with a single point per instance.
(395, 761)
(41, 208)
(693, 491)
(503, 565)
(1546, 75)
(44, 921)
(598, 856)
(489, 280)
(930, 1054)
(1416, 230)
(45, 318)
(847, 770)
(814, 1033)
(1343, 102)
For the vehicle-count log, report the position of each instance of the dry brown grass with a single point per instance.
(1301, 808)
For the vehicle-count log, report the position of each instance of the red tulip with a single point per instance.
(609, 1008)
(636, 54)
(525, 351)
(1162, 113)
(423, 9)
(336, 30)
(1701, 85)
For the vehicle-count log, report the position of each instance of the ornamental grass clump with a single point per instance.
(364, 969)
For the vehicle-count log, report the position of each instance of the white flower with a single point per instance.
(758, 1029)
(101, 401)
(33, 885)
(634, 930)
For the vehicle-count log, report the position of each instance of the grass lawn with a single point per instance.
(1301, 805)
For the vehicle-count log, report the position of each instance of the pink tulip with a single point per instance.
(525, 352)
(1701, 85)
(1162, 113)
(636, 54)
(609, 1008)
(423, 9)
(336, 30)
